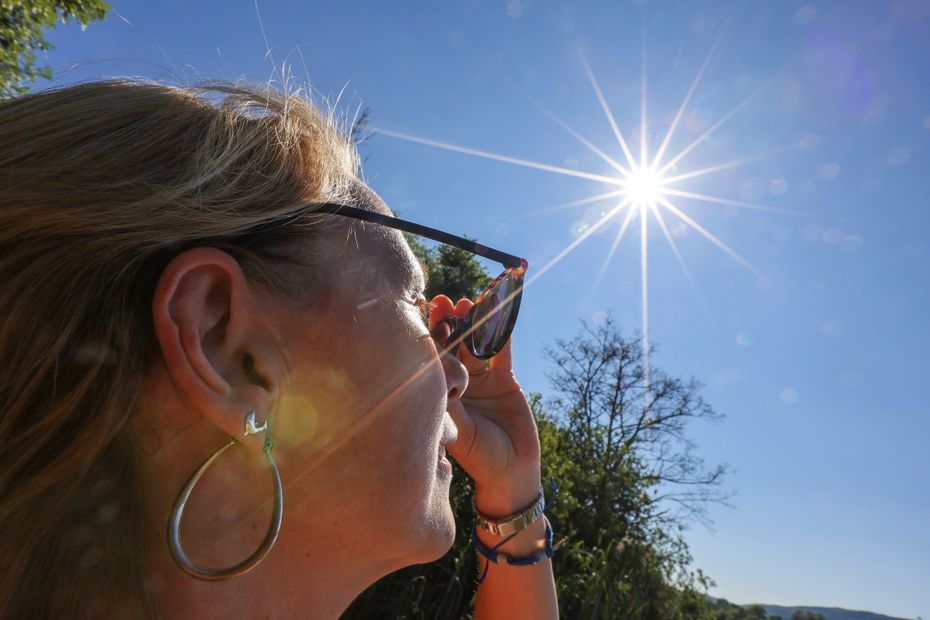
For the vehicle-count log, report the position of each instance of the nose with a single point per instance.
(456, 375)
(455, 372)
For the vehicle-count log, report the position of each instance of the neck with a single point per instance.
(323, 589)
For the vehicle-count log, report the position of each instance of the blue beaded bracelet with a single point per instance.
(491, 556)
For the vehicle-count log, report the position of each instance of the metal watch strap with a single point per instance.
(514, 523)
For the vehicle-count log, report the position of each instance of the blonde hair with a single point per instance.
(101, 184)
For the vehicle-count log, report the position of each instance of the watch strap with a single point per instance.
(514, 523)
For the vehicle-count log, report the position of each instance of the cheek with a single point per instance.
(407, 362)
(390, 340)
(371, 366)
(398, 447)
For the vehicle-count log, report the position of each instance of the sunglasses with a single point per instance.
(486, 328)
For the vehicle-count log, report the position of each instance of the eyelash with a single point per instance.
(423, 306)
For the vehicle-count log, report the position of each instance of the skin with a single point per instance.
(360, 401)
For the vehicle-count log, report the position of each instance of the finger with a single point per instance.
(440, 308)
(504, 359)
(462, 307)
(475, 366)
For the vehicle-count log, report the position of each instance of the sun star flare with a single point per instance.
(643, 188)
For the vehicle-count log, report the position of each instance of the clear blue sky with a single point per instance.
(820, 367)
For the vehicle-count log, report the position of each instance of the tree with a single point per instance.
(452, 271)
(722, 609)
(22, 27)
(629, 479)
(634, 428)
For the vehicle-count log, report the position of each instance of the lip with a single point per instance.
(443, 463)
(449, 436)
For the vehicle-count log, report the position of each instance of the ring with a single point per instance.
(487, 366)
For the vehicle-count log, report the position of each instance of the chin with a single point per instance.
(436, 533)
(439, 549)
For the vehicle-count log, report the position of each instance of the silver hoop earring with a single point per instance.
(174, 521)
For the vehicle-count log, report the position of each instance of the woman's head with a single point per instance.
(142, 315)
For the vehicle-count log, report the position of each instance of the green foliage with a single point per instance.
(629, 482)
(22, 27)
(452, 271)
(722, 609)
(640, 478)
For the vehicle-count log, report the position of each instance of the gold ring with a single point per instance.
(487, 366)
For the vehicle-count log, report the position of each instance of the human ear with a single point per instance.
(216, 342)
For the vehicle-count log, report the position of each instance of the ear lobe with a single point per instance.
(204, 312)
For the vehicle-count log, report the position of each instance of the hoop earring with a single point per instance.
(174, 521)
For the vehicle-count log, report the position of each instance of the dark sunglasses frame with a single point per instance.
(462, 329)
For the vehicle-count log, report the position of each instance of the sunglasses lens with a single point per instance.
(495, 314)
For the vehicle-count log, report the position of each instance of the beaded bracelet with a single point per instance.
(498, 558)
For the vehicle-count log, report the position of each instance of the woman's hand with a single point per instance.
(498, 443)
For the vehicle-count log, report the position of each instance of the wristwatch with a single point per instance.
(515, 522)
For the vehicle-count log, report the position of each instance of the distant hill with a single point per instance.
(830, 613)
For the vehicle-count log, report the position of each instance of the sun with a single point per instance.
(644, 186)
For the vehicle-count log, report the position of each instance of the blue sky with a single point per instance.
(819, 360)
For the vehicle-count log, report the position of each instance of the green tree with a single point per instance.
(451, 271)
(635, 428)
(629, 479)
(22, 33)
(722, 609)
(756, 611)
